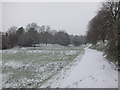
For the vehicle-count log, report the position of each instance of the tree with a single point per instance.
(77, 40)
(12, 36)
(93, 33)
(112, 31)
(42, 28)
(12, 30)
(0, 40)
(46, 35)
(20, 36)
(62, 38)
(33, 25)
(105, 26)
(32, 35)
(5, 41)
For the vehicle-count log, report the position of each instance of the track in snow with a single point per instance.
(92, 71)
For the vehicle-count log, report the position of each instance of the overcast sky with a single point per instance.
(0, 16)
(73, 17)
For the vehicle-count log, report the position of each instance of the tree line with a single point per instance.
(105, 26)
(34, 34)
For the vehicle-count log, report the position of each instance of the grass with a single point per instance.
(31, 67)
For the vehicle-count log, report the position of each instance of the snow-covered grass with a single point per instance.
(31, 67)
(100, 46)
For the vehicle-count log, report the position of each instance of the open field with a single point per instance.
(32, 67)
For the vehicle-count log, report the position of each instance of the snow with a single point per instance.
(14, 64)
(29, 67)
(92, 71)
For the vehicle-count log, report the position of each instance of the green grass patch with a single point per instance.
(32, 66)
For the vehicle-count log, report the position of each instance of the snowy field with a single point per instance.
(56, 66)
(90, 71)
(32, 67)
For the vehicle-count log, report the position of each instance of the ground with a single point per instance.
(55, 66)
(31, 67)
(91, 71)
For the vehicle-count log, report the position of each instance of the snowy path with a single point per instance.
(92, 71)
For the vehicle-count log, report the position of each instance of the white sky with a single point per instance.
(0, 16)
(73, 17)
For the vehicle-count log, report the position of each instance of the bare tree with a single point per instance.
(105, 25)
